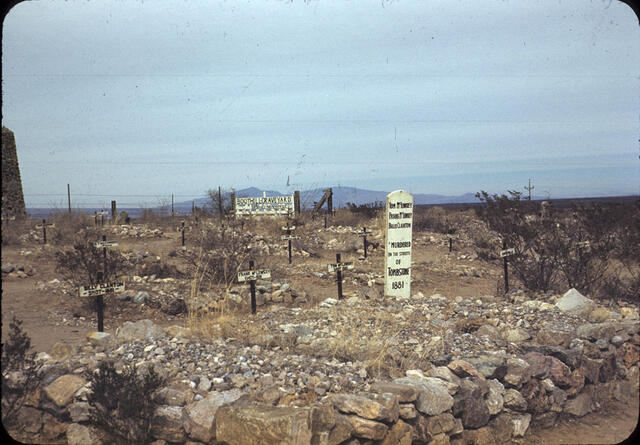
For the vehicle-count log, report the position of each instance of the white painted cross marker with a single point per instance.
(507, 252)
(398, 239)
(101, 289)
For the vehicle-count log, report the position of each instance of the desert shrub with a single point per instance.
(583, 267)
(518, 223)
(222, 249)
(220, 202)
(123, 402)
(82, 263)
(67, 226)
(368, 210)
(19, 372)
(433, 219)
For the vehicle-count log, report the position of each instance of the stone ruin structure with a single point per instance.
(12, 196)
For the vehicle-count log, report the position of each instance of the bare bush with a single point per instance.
(84, 261)
(67, 226)
(222, 250)
(123, 402)
(520, 225)
(433, 219)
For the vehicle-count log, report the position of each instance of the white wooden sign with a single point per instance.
(507, 252)
(341, 266)
(583, 244)
(252, 275)
(288, 237)
(103, 244)
(398, 240)
(266, 205)
(101, 289)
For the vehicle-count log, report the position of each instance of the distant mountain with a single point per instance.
(341, 196)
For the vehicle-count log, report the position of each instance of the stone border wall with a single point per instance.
(485, 399)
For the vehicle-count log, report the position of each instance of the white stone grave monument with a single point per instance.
(397, 254)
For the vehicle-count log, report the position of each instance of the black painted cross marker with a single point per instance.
(364, 234)
(338, 269)
(505, 253)
(182, 228)
(289, 237)
(44, 226)
(251, 276)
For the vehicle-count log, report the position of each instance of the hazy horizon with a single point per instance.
(138, 100)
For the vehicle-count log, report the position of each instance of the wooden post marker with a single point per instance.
(289, 237)
(44, 226)
(398, 240)
(337, 268)
(182, 229)
(98, 290)
(114, 212)
(251, 276)
(364, 234)
(101, 214)
(506, 253)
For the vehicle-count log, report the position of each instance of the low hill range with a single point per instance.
(343, 195)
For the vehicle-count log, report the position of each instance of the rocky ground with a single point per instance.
(454, 363)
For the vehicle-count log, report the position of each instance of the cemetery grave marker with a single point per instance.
(289, 237)
(182, 228)
(251, 276)
(44, 226)
(364, 234)
(398, 239)
(506, 253)
(338, 268)
(101, 214)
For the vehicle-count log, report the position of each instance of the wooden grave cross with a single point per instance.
(251, 276)
(182, 228)
(289, 237)
(364, 234)
(101, 214)
(338, 268)
(506, 253)
(44, 226)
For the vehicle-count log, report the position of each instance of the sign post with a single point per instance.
(98, 291)
(44, 226)
(398, 240)
(337, 268)
(506, 253)
(251, 276)
(364, 234)
(289, 237)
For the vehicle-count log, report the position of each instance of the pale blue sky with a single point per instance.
(159, 97)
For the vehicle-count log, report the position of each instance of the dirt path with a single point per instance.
(614, 423)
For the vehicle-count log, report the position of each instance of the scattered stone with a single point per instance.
(576, 303)
(62, 389)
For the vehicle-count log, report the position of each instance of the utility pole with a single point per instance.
(69, 197)
(529, 189)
